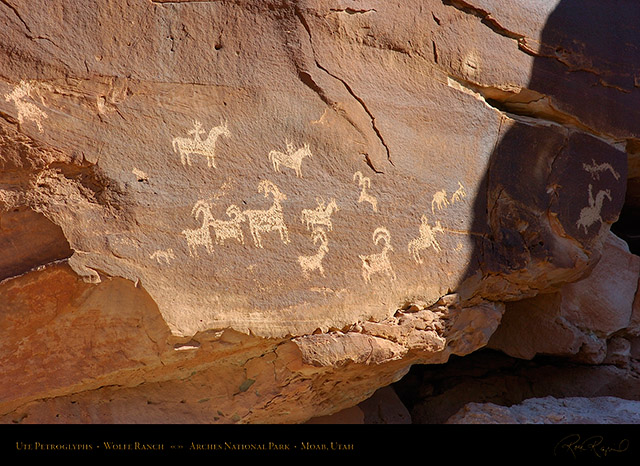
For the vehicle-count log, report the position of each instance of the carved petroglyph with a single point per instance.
(365, 183)
(26, 109)
(263, 221)
(459, 194)
(591, 213)
(200, 236)
(291, 159)
(314, 262)
(321, 215)
(198, 146)
(378, 263)
(594, 169)
(229, 229)
(426, 239)
(163, 256)
(439, 200)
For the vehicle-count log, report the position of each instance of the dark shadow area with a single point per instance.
(553, 182)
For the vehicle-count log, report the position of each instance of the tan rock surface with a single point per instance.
(298, 194)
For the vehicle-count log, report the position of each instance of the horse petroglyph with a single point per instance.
(163, 256)
(262, 221)
(594, 169)
(378, 263)
(26, 110)
(198, 146)
(291, 159)
(365, 183)
(321, 215)
(439, 200)
(426, 239)
(591, 213)
(314, 262)
(200, 236)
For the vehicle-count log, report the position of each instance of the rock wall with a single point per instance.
(263, 211)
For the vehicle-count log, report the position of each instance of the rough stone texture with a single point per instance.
(243, 205)
(549, 410)
(433, 394)
(579, 319)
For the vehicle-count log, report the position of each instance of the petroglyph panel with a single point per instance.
(272, 219)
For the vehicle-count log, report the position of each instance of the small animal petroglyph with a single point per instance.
(229, 229)
(459, 194)
(26, 109)
(314, 262)
(198, 146)
(262, 221)
(378, 263)
(426, 239)
(321, 215)
(591, 213)
(365, 183)
(439, 200)
(140, 175)
(594, 169)
(163, 256)
(200, 236)
(292, 159)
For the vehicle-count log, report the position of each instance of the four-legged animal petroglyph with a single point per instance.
(459, 194)
(594, 169)
(426, 239)
(379, 262)
(262, 221)
(200, 236)
(26, 110)
(292, 159)
(198, 146)
(321, 215)
(229, 229)
(314, 262)
(365, 183)
(439, 200)
(163, 256)
(591, 213)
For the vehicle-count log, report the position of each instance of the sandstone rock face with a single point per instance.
(579, 319)
(219, 212)
(605, 410)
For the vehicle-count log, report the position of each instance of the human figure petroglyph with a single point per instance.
(26, 110)
(292, 158)
(459, 194)
(591, 213)
(200, 236)
(262, 221)
(163, 256)
(365, 184)
(378, 263)
(198, 146)
(439, 200)
(314, 262)
(426, 239)
(229, 229)
(594, 169)
(321, 215)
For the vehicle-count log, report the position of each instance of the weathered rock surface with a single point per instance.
(549, 410)
(581, 318)
(222, 211)
(433, 394)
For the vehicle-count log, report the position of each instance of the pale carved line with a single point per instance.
(365, 183)
(591, 213)
(26, 110)
(321, 215)
(291, 159)
(197, 146)
(314, 262)
(378, 263)
(426, 239)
